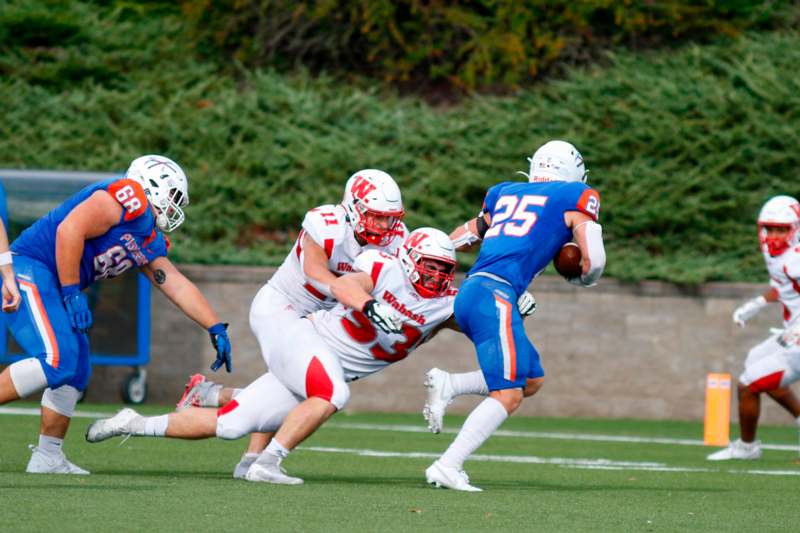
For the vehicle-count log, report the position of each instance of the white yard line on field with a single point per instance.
(585, 464)
(551, 435)
(33, 411)
(581, 464)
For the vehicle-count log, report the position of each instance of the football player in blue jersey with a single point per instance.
(522, 227)
(100, 232)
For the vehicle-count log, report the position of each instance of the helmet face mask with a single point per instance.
(166, 187)
(429, 260)
(557, 161)
(778, 225)
(374, 206)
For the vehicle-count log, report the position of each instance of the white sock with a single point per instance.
(236, 392)
(469, 383)
(155, 426)
(276, 450)
(50, 445)
(479, 426)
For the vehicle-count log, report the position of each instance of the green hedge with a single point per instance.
(684, 147)
(497, 44)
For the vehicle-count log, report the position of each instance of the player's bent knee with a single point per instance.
(340, 396)
(511, 399)
(61, 400)
(230, 431)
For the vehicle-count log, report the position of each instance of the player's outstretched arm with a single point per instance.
(752, 307)
(185, 294)
(589, 236)
(354, 291)
(11, 296)
(470, 233)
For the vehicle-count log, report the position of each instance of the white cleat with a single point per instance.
(738, 450)
(446, 477)
(195, 392)
(244, 465)
(270, 472)
(46, 463)
(440, 395)
(117, 425)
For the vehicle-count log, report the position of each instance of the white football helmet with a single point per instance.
(165, 185)
(557, 161)
(781, 211)
(374, 206)
(429, 280)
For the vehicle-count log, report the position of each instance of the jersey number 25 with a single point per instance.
(511, 215)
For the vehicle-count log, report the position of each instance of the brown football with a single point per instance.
(568, 261)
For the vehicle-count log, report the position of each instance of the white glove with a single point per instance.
(526, 304)
(748, 310)
(383, 317)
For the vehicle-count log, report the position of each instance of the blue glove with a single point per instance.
(221, 343)
(80, 317)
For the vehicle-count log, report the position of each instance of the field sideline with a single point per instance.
(364, 472)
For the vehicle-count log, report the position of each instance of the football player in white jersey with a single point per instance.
(387, 307)
(775, 363)
(369, 218)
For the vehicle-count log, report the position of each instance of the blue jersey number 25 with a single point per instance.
(512, 217)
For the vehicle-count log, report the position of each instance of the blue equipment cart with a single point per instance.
(121, 335)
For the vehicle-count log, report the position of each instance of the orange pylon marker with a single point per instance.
(717, 430)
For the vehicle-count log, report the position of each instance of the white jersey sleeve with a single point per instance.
(784, 276)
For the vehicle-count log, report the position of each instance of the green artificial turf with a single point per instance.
(360, 475)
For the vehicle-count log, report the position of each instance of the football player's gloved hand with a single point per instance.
(383, 317)
(526, 304)
(748, 310)
(221, 343)
(80, 317)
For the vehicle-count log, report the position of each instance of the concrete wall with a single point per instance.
(616, 350)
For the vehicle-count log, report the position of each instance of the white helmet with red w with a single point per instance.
(374, 206)
(165, 185)
(557, 161)
(782, 212)
(429, 259)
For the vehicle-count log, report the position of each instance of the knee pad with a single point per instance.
(27, 376)
(229, 430)
(341, 395)
(61, 400)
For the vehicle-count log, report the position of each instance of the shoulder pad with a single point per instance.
(324, 222)
(589, 203)
(130, 196)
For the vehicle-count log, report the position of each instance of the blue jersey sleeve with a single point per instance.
(157, 245)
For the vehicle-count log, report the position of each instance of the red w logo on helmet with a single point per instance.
(415, 239)
(361, 188)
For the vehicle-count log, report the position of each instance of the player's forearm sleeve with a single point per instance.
(597, 254)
